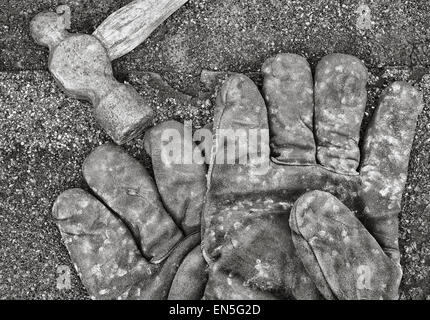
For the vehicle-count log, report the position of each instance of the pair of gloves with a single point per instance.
(302, 215)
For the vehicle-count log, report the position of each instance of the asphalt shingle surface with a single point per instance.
(45, 136)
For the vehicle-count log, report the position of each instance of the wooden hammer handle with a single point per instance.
(128, 27)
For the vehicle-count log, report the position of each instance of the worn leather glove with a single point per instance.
(319, 221)
(131, 238)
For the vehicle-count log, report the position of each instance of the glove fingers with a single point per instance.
(340, 100)
(126, 187)
(341, 256)
(240, 125)
(190, 280)
(386, 152)
(100, 245)
(180, 180)
(289, 93)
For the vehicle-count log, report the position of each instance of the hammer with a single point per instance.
(81, 63)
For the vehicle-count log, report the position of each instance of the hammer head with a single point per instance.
(49, 28)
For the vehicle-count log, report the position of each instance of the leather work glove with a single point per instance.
(131, 237)
(320, 218)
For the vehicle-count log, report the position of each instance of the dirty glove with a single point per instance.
(307, 221)
(131, 238)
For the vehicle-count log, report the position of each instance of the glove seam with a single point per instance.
(156, 260)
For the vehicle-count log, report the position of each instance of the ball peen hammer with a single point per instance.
(81, 63)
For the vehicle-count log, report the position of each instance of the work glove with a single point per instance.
(296, 210)
(130, 237)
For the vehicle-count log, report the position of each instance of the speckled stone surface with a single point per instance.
(46, 136)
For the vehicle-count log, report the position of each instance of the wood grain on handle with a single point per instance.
(128, 27)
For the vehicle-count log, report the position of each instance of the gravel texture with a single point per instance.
(45, 136)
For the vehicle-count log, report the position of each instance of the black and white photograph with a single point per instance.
(231, 151)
